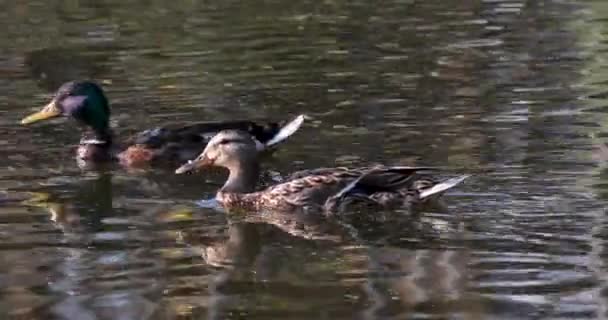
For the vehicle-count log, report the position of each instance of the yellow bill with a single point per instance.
(49, 111)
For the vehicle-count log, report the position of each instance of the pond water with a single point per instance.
(511, 91)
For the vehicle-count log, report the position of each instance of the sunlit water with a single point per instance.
(511, 91)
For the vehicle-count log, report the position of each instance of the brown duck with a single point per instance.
(86, 102)
(327, 189)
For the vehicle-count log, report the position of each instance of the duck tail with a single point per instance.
(441, 187)
(286, 131)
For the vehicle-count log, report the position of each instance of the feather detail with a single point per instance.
(181, 143)
(136, 156)
(325, 188)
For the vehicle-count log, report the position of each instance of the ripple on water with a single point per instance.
(501, 89)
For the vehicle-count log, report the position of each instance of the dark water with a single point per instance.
(512, 91)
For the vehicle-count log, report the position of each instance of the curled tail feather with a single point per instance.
(286, 131)
(441, 187)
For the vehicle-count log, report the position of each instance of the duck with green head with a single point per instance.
(86, 102)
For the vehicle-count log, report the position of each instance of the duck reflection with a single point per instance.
(240, 245)
(99, 265)
(403, 281)
(415, 264)
(81, 206)
(252, 250)
(255, 254)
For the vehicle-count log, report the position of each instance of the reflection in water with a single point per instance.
(405, 281)
(390, 281)
(89, 269)
(247, 251)
(512, 90)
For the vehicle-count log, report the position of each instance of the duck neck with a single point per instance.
(101, 138)
(243, 178)
(95, 145)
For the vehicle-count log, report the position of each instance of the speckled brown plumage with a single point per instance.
(326, 189)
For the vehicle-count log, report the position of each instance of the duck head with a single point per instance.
(231, 149)
(81, 100)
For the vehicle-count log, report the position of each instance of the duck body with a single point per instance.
(171, 144)
(324, 189)
(334, 188)
(87, 104)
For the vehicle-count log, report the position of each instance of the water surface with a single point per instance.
(511, 91)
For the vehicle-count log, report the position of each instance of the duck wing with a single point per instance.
(385, 178)
(316, 187)
(374, 184)
(309, 190)
(180, 143)
(202, 132)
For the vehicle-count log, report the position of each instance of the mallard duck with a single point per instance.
(86, 102)
(326, 188)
